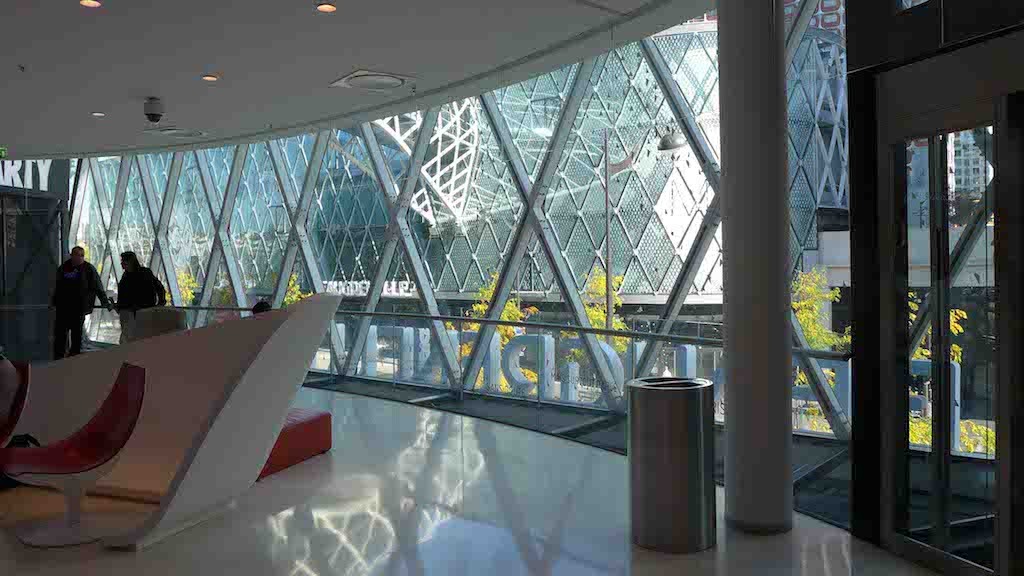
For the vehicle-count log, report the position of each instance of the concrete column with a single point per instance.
(758, 405)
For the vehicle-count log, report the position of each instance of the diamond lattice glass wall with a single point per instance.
(136, 232)
(466, 230)
(190, 231)
(348, 218)
(466, 206)
(158, 164)
(260, 226)
(219, 160)
(624, 112)
(531, 109)
(91, 231)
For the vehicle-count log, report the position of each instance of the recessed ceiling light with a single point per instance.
(98, 114)
(210, 77)
(326, 7)
(90, 3)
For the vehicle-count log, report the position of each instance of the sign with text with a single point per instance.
(361, 289)
(48, 177)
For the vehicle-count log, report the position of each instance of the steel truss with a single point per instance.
(534, 224)
(223, 248)
(160, 218)
(703, 151)
(399, 234)
(297, 206)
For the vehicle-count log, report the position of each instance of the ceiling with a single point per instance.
(276, 58)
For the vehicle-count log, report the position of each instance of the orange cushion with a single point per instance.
(306, 433)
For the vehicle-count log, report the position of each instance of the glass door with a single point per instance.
(946, 489)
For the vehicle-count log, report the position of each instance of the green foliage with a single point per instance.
(956, 329)
(223, 296)
(596, 305)
(512, 312)
(187, 287)
(810, 294)
(974, 437)
(294, 292)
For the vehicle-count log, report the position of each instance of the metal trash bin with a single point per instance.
(671, 464)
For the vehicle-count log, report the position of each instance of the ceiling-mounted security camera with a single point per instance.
(154, 109)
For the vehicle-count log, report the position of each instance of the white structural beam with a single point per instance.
(711, 222)
(298, 203)
(290, 197)
(801, 20)
(111, 216)
(534, 224)
(76, 204)
(398, 213)
(702, 150)
(449, 356)
(756, 236)
(222, 248)
(160, 215)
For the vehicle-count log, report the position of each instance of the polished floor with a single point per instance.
(412, 491)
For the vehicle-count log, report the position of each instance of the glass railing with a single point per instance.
(546, 363)
(542, 362)
(560, 369)
(552, 363)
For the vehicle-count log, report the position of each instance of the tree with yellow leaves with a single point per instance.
(294, 292)
(956, 328)
(810, 294)
(596, 306)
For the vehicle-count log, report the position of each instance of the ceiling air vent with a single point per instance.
(373, 81)
(174, 132)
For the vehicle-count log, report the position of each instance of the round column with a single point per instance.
(755, 211)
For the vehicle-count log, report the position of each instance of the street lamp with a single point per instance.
(671, 141)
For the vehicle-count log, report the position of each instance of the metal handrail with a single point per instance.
(679, 339)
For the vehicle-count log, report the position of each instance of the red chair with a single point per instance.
(76, 463)
(14, 378)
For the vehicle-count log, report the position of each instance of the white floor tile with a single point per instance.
(410, 491)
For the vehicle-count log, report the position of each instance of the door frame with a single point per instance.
(948, 93)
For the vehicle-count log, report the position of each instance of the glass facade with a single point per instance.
(466, 207)
(328, 211)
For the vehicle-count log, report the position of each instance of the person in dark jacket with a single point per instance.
(138, 289)
(74, 296)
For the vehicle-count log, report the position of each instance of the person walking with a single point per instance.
(74, 296)
(138, 289)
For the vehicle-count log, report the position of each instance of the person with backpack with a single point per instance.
(138, 289)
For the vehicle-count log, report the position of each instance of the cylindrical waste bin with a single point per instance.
(671, 464)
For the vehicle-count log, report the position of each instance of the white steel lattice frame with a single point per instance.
(399, 232)
(223, 248)
(701, 148)
(112, 215)
(455, 147)
(428, 142)
(534, 224)
(298, 205)
(160, 217)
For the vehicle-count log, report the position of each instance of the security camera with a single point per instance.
(154, 109)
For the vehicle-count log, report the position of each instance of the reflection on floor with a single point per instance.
(820, 464)
(408, 490)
